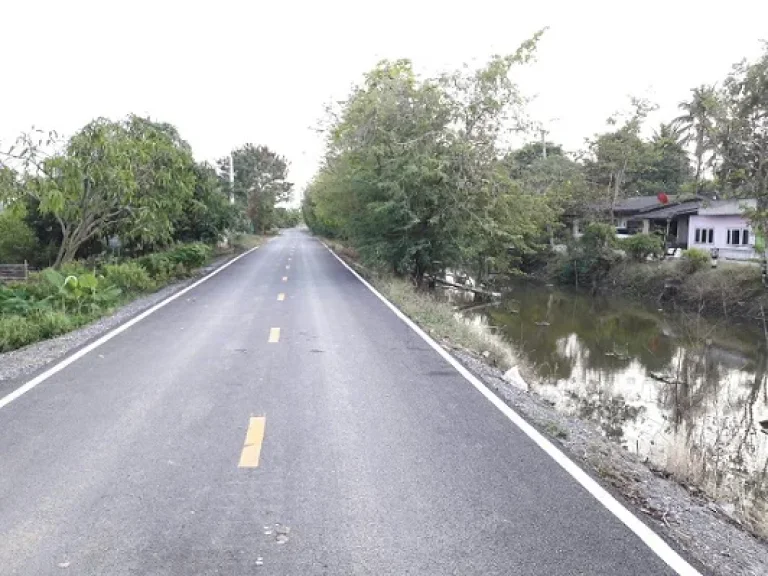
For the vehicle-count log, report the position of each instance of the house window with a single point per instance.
(737, 237)
(704, 236)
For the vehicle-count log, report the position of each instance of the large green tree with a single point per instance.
(260, 183)
(207, 214)
(129, 178)
(413, 174)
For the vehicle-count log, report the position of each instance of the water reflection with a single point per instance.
(684, 393)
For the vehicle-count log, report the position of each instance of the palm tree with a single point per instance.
(697, 124)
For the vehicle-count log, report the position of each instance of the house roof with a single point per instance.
(726, 207)
(638, 204)
(669, 212)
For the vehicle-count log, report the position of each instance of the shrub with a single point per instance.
(191, 255)
(17, 331)
(159, 265)
(591, 258)
(17, 240)
(640, 246)
(75, 268)
(695, 259)
(129, 277)
(598, 236)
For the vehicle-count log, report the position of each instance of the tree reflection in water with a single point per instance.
(685, 393)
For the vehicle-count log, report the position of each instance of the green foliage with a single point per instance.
(17, 331)
(642, 246)
(160, 266)
(191, 256)
(287, 217)
(599, 237)
(17, 240)
(260, 183)
(129, 178)
(175, 263)
(591, 258)
(130, 277)
(695, 259)
(54, 301)
(207, 214)
(413, 175)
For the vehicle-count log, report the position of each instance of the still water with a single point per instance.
(686, 394)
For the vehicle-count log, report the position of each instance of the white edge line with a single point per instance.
(648, 536)
(40, 378)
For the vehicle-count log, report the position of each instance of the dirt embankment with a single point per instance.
(731, 291)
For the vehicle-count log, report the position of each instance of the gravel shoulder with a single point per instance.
(24, 362)
(695, 524)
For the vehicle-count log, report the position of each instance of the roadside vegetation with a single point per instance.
(121, 209)
(420, 178)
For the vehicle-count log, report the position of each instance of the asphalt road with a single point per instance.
(367, 452)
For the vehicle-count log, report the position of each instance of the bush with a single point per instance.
(75, 268)
(589, 259)
(17, 331)
(598, 236)
(17, 240)
(159, 265)
(191, 255)
(129, 277)
(695, 259)
(640, 246)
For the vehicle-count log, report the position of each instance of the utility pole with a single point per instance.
(543, 142)
(231, 179)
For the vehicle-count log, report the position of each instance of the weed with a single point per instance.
(555, 430)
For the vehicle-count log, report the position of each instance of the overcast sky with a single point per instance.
(230, 72)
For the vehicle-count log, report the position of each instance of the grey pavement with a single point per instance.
(377, 456)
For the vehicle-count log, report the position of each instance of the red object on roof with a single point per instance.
(663, 198)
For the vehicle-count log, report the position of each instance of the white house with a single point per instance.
(720, 227)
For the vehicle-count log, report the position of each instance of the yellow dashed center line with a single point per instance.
(280, 297)
(249, 458)
(274, 335)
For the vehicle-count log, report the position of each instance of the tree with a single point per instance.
(664, 166)
(743, 139)
(17, 240)
(697, 123)
(617, 156)
(130, 178)
(413, 176)
(530, 153)
(260, 183)
(207, 214)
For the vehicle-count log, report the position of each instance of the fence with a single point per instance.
(9, 272)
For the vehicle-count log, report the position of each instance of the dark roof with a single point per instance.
(690, 207)
(645, 204)
(639, 204)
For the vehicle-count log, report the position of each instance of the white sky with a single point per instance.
(230, 72)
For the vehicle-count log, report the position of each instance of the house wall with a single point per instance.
(721, 225)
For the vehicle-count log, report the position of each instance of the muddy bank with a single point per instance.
(731, 291)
